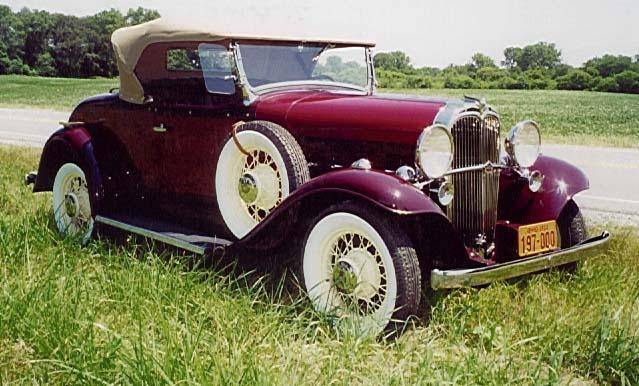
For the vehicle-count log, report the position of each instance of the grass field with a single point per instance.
(573, 117)
(124, 313)
(49, 93)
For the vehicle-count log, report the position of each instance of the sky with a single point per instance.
(432, 33)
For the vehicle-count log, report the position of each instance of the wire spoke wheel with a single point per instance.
(261, 166)
(348, 272)
(358, 273)
(252, 179)
(360, 269)
(72, 203)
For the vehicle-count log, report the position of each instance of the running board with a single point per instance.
(190, 241)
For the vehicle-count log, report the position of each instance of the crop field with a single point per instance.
(124, 312)
(575, 117)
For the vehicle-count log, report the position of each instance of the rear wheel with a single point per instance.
(360, 269)
(72, 203)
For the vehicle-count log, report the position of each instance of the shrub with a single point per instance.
(417, 81)
(537, 79)
(574, 80)
(513, 82)
(390, 79)
(604, 84)
(628, 82)
(460, 81)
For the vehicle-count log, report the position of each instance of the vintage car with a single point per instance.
(228, 143)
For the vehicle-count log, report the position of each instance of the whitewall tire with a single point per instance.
(250, 182)
(360, 269)
(72, 203)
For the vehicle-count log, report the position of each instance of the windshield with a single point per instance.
(272, 64)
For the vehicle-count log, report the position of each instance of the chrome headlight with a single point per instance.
(434, 153)
(523, 143)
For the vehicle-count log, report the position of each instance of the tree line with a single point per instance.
(40, 43)
(36, 42)
(533, 67)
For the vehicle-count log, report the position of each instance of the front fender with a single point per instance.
(562, 181)
(382, 190)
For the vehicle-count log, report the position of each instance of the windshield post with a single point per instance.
(247, 93)
(372, 83)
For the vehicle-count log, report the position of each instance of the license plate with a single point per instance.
(537, 238)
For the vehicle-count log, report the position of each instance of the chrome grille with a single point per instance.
(474, 208)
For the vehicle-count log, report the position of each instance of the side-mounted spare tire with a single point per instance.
(259, 166)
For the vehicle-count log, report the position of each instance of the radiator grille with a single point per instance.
(474, 208)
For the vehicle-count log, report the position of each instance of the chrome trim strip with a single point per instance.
(458, 278)
(488, 166)
(151, 234)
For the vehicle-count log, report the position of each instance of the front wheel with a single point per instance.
(360, 269)
(72, 203)
(572, 229)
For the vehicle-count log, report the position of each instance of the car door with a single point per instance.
(204, 105)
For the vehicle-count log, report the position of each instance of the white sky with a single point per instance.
(433, 33)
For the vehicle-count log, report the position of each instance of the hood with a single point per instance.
(345, 116)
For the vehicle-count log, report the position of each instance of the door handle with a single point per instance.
(160, 129)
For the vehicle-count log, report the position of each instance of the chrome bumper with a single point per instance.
(457, 278)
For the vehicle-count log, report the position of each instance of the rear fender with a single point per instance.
(69, 145)
(562, 181)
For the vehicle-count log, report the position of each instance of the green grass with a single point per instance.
(49, 93)
(124, 313)
(574, 117)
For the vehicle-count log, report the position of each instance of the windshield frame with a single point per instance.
(251, 92)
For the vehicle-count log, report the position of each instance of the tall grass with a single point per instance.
(125, 313)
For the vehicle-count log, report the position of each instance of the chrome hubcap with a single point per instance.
(344, 277)
(71, 205)
(248, 188)
(358, 273)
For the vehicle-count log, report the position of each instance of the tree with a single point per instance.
(393, 61)
(512, 56)
(45, 65)
(480, 60)
(140, 15)
(34, 28)
(10, 41)
(608, 65)
(540, 55)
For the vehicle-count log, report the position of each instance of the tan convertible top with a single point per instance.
(130, 42)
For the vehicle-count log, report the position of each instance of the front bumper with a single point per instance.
(457, 278)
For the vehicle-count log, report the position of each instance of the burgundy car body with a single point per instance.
(172, 175)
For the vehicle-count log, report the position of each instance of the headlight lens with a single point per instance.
(434, 153)
(523, 143)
